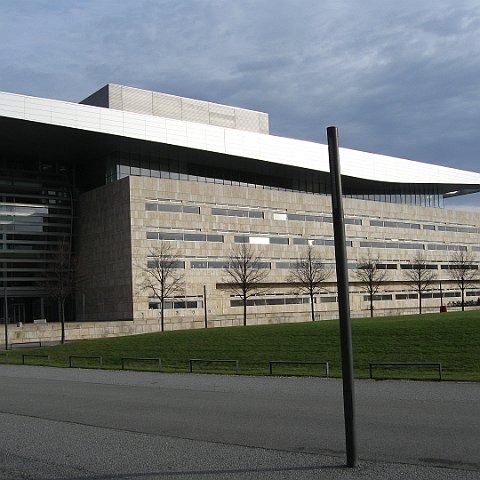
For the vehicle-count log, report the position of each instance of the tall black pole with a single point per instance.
(205, 305)
(343, 298)
(5, 314)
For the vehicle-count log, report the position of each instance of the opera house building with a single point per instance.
(127, 170)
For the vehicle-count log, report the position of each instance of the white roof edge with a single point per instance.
(268, 148)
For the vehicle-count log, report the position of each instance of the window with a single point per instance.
(285, 265)
(328, 299)
(215, 238)
(406, 296)
(279, 240)
(260, 302)
(238, 213)
(176, 303)
(220, 264)
(449, 247)
(378, 297)
(300, 241)
(194, 237)
(168, 207)
(175, 264)
(170, 236)
(199, 264)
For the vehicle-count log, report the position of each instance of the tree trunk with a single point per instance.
(63, 321)
(371, 305)
(161, 316)
(312, 307)
(60, 318)
(244, 312)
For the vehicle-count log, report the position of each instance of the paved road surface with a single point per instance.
(71, 423)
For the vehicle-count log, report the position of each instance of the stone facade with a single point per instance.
(104, 253)
(204, 221)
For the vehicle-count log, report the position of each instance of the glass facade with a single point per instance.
(36, 217)
(196, 166)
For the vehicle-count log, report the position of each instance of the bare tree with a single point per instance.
(370, 277)
(162, 277)
(419, 277)
(463, 270)
(244, 274)
(308, 276)
(61, 283)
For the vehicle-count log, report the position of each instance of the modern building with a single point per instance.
(126, 170)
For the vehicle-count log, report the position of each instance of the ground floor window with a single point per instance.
(176, 303)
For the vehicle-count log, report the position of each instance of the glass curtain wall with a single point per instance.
(189, 165)
(36, 223)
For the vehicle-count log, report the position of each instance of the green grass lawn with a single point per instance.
(451, 338)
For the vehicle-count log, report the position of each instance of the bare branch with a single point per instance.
(162, 277)
(61, 281)
(370, 277)
(463, 270)
(419, 277)
(309, 275)
(244, 274)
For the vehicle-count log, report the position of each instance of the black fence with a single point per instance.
(32, 355)
(288, 362)
(198, 360)
(25, 344)
(436, 366)
(71, 359)
(126, 360)
(135, 363)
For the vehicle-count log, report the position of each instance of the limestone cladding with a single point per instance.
(278, 224)
(104, 278)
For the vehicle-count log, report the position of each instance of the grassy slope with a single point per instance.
(452, 338)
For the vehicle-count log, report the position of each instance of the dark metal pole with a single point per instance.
(5, 314)
(205, 305)
(441, 293)
(343, 298)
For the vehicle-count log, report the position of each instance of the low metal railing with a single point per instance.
(199, 360)
(85, 357)
(437, 365)
(140, 359)
(285, 362)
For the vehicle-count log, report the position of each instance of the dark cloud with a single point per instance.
(399, 78)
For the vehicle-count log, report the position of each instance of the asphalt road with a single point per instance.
(71, 423)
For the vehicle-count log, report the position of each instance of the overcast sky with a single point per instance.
(400, 78)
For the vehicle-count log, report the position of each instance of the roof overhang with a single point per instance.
(82, 129)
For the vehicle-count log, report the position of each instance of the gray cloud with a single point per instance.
(397, 78)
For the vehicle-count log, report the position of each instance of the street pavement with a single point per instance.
(99, 425)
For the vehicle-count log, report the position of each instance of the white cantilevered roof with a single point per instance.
(267, 148)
